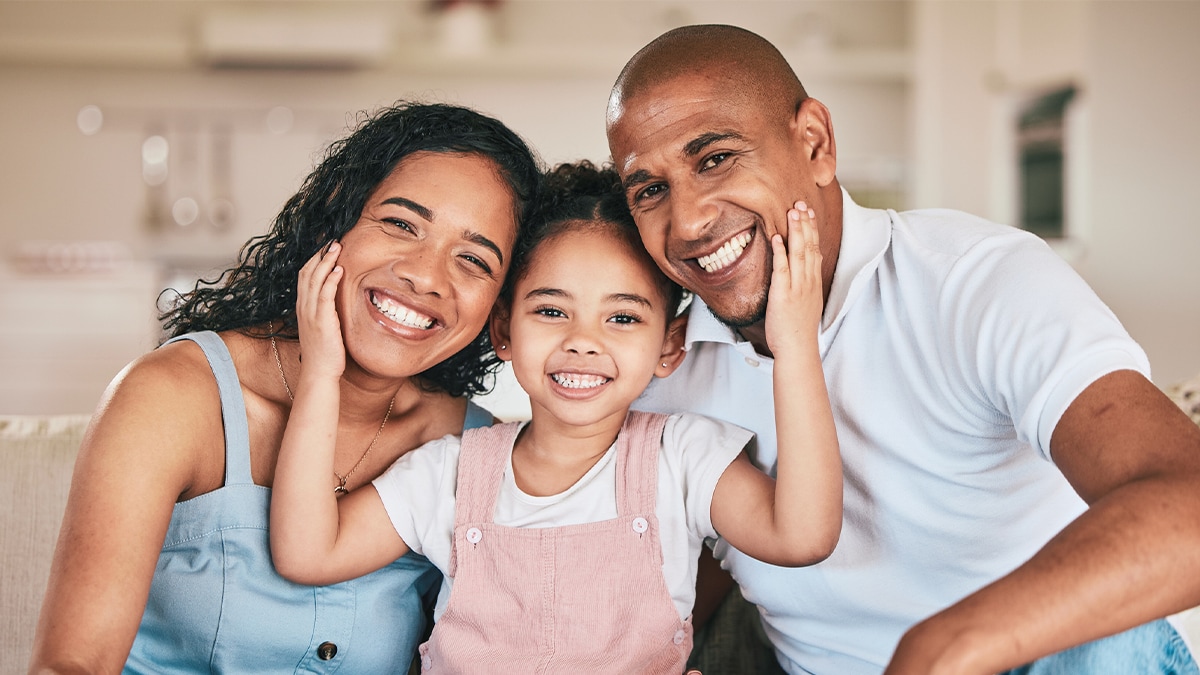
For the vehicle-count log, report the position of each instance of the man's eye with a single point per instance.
(713, 160)
(650, 191)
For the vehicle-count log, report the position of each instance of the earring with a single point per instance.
(503, 347)
(664, 364)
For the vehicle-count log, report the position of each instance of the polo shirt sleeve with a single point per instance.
(1028, 334)
(698, 449)
(417, 492)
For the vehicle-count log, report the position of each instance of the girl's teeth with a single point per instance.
(579, 381)
(726, 255)
(402, 315)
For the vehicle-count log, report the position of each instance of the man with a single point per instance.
(1015, 485)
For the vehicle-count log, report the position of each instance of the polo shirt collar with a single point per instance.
(866, 236)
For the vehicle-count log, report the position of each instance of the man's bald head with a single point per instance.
(744, 64)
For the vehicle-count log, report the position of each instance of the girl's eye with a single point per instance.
(625, 319)
(552, 312)
(713, 160)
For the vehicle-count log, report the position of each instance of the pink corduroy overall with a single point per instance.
(576, 599)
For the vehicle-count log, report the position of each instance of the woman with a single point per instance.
(163, 562)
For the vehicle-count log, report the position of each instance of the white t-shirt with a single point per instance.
(418, 494)
(951, 347)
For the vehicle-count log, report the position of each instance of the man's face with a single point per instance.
(709, 178)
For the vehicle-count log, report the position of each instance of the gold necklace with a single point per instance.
(341, 486)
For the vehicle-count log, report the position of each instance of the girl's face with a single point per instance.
(587, 329)
(425, 261)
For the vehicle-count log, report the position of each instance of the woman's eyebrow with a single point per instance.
(423, 211)
(483, 241)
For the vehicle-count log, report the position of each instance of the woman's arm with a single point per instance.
(317, 538)
(796, 519)
(139, 456)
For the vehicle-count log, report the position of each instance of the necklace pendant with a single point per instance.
(341, 490)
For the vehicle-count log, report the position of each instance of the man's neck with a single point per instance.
(756, 335)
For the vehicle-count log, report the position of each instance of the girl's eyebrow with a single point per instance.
(546, 292)
(631, 297)
(427, 213)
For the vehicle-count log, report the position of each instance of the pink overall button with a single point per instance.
(640, 525)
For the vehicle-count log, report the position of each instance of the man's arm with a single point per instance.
(1132, 557)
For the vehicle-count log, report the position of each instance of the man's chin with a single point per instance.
(744, 319)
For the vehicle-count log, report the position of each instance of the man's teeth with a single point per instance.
(724, 256)
(402, 315)
(578, 381)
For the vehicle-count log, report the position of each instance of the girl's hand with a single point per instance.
(796, 297)
(316, 316)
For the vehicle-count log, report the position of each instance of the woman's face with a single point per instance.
(424, 262)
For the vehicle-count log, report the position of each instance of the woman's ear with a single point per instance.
(498, 329)
(672, 352)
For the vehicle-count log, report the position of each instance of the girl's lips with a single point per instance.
(579, 380)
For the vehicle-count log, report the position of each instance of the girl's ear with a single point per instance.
(498, 328)
(672, 352)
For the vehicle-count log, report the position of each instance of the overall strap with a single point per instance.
(638, 446)
(233, 406)
(481, 463)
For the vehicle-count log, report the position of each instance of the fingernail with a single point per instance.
(801, 206)
(812, 214)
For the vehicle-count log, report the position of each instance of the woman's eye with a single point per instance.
(401, 224)
(478, 262)
(713, 160)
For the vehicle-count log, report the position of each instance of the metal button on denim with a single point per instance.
(326, 651)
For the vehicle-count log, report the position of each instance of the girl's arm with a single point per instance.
(317, 538)
(156, 426)
(796, 519)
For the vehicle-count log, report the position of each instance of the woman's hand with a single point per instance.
(316, 315)
(795, 299)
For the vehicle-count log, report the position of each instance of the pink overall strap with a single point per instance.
(637, 462)
(481, 462)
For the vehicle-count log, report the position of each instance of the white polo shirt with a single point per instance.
(951, 347)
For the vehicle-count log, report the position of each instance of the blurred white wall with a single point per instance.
(921, 93)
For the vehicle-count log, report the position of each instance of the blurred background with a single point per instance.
(144, 141)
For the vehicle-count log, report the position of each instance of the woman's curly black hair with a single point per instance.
(260, 290)
(582, 193)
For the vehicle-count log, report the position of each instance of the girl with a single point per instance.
(569, 543)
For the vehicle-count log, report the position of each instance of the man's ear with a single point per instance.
(813, 128)
(672, 351)
(498, 328)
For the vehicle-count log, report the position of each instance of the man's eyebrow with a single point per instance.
(636, 178)
(699, 143)
(423, 211)
(486, 243)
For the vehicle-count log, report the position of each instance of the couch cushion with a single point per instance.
(37, 453)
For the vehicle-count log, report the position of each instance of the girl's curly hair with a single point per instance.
(582, 194)
(261, 288)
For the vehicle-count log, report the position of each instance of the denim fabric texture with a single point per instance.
(1150, 649)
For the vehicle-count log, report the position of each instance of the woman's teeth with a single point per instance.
(724, 256)
(402, 315)
(578, 381)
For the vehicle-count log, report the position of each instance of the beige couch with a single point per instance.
(37, 455)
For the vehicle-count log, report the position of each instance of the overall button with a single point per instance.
(474, 535)
(640, 525)
(426, 662)
(326, 651)
(679, 635)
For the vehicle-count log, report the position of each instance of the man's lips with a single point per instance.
(727, 254)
